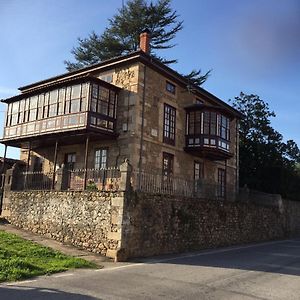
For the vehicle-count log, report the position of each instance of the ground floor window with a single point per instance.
(70, 160)
(198, 175)
(168, 163)
(100, 158)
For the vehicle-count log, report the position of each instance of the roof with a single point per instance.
(63, 82)
(117, 61)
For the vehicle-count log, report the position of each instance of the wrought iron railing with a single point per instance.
(35, 181)
(172, 185)
(105, 179)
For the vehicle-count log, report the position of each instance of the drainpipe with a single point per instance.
(237, 154)
(2, 179)
(142, 128)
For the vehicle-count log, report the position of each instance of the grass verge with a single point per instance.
(21, 259)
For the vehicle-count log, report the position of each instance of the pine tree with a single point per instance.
(122, 35)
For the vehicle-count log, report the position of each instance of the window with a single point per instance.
(33, 105)
(70, 160)
(169, 124)
(209, 128)
(198, 170)
(103, 101)
(224, 128)
(100, 158)
(168, 162)
(221, 183)
(37, 164)
(170, 87)
(13, 113)
(198, 175)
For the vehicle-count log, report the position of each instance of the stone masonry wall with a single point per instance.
(137, 224)
(157, 224)
(89, 220)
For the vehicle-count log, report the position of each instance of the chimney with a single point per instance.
(145, 41)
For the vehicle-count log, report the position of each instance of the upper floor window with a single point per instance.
(103, 101)
(224, 127)
(100, 158)
(170, 87)
(208, 123)
(169, 124)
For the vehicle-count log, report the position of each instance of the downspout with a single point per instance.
(142, 128)
(237, 154)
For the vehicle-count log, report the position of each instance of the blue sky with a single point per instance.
(251, 46)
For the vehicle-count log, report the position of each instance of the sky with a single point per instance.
(251, 46)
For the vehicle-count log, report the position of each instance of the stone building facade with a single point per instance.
(130, 107)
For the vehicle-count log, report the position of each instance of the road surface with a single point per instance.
(261, 271)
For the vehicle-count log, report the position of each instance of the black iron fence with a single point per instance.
(172, 185)
(35, 181)
(105, 179)
(109, 179)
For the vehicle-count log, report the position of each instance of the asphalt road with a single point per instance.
(261, 271)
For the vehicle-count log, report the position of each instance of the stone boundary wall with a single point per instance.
(157, 224)
(89, 220)
(134, 224)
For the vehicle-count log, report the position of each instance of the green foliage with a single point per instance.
(21, 259)
(122, 35)
(195, 77)
(267, 163)
(91, 186)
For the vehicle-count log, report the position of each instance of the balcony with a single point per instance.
(208, 132)
(69, 109)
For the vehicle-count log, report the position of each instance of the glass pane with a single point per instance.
(206, 123)
(68, 93)
(95, 90)
(62, 94)
(75, 91)
(32, 114)
(14, 119)
(52, 110)
(104, 94)
(53, 97)
(83, 89)
(94, 105)
(75, 106)
(33, 102)
(213, 123)
(22, 105)
(15, 107)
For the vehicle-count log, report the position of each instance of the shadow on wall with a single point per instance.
(279, 257)
(32, 293)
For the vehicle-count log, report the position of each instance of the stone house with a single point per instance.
(132, 107)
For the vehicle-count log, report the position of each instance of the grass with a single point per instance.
(21, 259)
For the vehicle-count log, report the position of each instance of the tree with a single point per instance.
(267, 163)
(122, 36)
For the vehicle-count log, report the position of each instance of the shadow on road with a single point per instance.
(281, 257)
(32, 293)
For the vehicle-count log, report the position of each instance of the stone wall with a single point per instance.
(89, 220)
(137, 224)
(157, 224)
